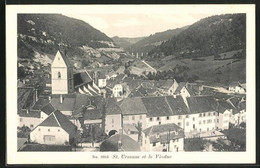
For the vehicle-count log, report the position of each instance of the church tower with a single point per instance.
(62, 75)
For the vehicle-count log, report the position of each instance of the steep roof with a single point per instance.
(235, 101)
(57, 119)
(156, 106)
(164, 132)
(25, 97)
(112, 107)
(30, 113)
(64, 57)
(200, 104)
(223, 105)
(132, 106)
(81, 78)
(128, 144)
(177, 105)
(180, 86)
(48, 109)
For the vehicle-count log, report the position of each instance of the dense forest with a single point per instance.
(209, 36)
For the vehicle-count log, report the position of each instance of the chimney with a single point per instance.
(61, 99)
(36, 95)
(50, 99)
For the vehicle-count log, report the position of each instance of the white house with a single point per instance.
(56, 129)
(224, 110)
(165, 137)
(30, 118)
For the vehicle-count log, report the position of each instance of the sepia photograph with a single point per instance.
(144, 81)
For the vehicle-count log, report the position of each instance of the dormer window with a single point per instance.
(59, 75)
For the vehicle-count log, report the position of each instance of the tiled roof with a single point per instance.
(24, 97)
(65, 58)
(40, 103)
(57, 119)
(235, 101)
(180, 86)
(242, 105)
(199, 104)
(128, 144)
(112, 107)
(164, 132)
(220, 95)
(223, 105)
(93, 114)
(48, 109)
(177, 105)
(81, 78)
(30, 113)
(130, 127)
(66, 105)
(156, 106)
(132, 106)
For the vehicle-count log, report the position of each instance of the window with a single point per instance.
(200, 115)
(49, 130)
(21, 119)
(199, 122)
(154, 143)
(160, 123)
(141, 117)
(187, 116)
(59, 75)
(133, 117)
(187, 123)
(179, 124)
(207, 129)
(39, 129)
(217, 120)
(209, 114)
(158, 118)
(112, 120)
(204, 121)
(177, 140)
(58, 130)
(179, 117)
(31, 125)
(167, 117)
(193, 118)
(151, 119)
(209, 121)
(204, 114)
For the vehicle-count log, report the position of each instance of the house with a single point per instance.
(224, 110)
(120, 142)
(239, 113)
(236, 87)
(112, 74)
(121, 90)
(165, 137)
(167, 87)
(120, 70)
(182, 90)
(55, 129)
(131, 131)
(133, 111)
(202, 115)
(30, 118)
(62, 75)
(113, 120)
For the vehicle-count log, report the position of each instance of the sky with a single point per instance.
(138, 24)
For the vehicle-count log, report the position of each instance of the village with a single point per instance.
(82, 110)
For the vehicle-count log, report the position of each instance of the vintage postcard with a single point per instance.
(100, 84)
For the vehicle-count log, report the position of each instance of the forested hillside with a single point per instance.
(209, 36)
